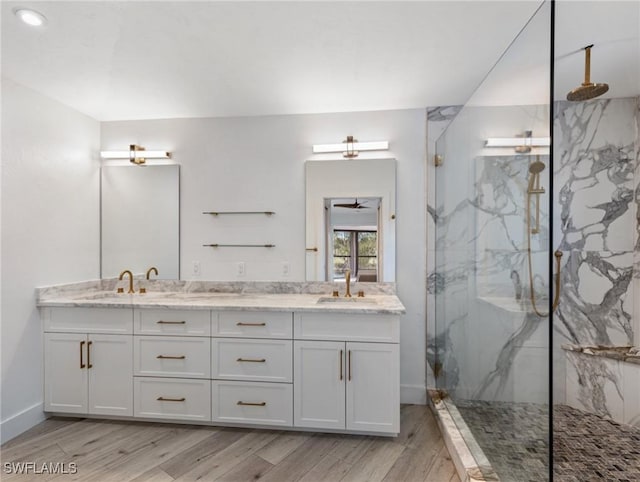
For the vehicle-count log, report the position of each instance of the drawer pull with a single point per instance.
(252, 404)
(349, 365)
(82, 365)
(241, 323)
(163, 399)
(163, 322)
(170, 357)
(341, 353)
(252, 360)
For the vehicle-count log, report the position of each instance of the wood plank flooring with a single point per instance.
(117, 451)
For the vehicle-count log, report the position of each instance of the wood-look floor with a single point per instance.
(135, 451)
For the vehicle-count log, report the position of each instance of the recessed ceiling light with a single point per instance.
(30, 17)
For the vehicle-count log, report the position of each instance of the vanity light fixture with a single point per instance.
(30, 17)
(350, 147)
(135, 154)
(518, 143)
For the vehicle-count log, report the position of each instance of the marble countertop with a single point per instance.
(259, 301)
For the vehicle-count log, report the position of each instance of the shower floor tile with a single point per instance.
(587, 447)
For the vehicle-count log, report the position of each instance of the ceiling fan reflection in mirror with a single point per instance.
(353, 205)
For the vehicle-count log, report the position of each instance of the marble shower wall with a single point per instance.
(597, 225)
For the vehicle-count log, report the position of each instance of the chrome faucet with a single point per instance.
(131, 290)
(348, 280)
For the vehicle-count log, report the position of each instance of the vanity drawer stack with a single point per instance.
(172, 364)
(252, 367)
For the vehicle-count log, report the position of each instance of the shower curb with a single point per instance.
(470, 468)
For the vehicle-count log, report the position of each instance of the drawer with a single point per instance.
(172, 356)
(172, 322)
(252, 402)
(347, 327)
(88, 320)
(178, 399)
(253, 324)
(257, 360)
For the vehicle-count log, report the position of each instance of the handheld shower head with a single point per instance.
(536, 167)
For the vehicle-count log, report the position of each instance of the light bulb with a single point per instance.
(30, 17)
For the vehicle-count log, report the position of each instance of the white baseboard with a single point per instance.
(21, 422)
(413, 394)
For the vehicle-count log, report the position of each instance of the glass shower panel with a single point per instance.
(492, 259)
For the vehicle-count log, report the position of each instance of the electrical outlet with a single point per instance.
(285, 269)
(241, 268)
(195, 270)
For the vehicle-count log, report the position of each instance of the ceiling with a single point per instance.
(142, 60)
(167, 59)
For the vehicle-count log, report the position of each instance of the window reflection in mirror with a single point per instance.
(352, 225)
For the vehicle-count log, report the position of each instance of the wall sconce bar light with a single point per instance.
(350, 147)
(135, 154)
(518, 141)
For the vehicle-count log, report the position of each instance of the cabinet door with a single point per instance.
(319, 384)
(65, 379)
(373, 387)
(110, 369)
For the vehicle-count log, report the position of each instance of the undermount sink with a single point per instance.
(339, 300)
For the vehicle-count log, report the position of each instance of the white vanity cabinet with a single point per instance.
(347, 385)
(307, 370)
(86, 371)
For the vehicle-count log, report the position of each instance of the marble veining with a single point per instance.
(177, 286)
(478, 275)
(251, 296)
(597, 171)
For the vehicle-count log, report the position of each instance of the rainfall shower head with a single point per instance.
(588, 90)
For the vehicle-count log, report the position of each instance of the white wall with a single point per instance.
(50, 231)
(257, 163)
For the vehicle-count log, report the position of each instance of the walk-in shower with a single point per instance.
(534, 253)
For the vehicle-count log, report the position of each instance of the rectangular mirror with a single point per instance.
(350, 220)
(140, 210)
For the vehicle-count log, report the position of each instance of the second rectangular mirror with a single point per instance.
(350, 222)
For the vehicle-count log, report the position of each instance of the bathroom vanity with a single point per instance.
(295, 361)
